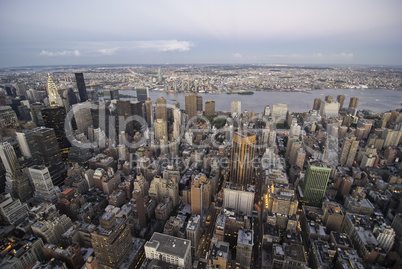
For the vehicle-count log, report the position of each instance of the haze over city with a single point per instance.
(160, 32)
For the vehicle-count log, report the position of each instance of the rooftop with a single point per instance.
(169, 244)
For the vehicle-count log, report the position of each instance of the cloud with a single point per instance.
(342, 55)
(60, 53)
(108, 51)
(164, 45)
(287, 56)
(237, 55)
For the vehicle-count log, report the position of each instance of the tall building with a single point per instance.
(142, 94)
(317, 104)
(239, 198)
(149, 111)
(161, 109)
(279, 113)
(314, 184)
(210, 108)
(17, 182)
(243, 153)
(28, 145)
(54, 117)
(160, 127)
(100, 118)
(82, 90)
(45, 191)
(244, 250)
(69, 99)
(12, 211)
(7, 116)
(199, 102)
(193, 231)
(36, 113)
(50, 153)
(191, 105)
(137, 205)
(111, 241)
(353, 102)
(348, 151)
(170, 249)
(83, 117)
(53, 94)
(235, 108)
(200, 194)
(341, 100)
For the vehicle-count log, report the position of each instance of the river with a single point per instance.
(376, 100)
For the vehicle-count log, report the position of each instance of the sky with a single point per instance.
(74, 32)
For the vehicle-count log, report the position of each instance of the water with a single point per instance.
(374, 99)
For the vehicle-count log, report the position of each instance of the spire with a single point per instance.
(53, 94)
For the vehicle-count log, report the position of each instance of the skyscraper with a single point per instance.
(314, 184)
(17, 182)
(42, 181)
(29, 146)
(348, 151)
(142, 94)
(235, 108)
(50, 153)
(210, 108)
(160, 127)
(79, 77)
(161, 109)
(243, 152)
(111, 241)
(199, 102)
(149, 111)
(317, 104)
(53, 94)
(7, 116)
(191, 105)
(353, 102)
(341, 100)
(54, 117)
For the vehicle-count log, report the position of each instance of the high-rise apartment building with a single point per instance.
(111, 241)
(82, 89)
(191, 105)
(149, 111)
(353, 102)
(199, 102)
(193, 231)
(210, 108)
(341, 100)
(243, 153)
(314, 185)
(348, 151)
(244, 251)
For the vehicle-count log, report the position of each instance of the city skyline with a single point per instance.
(235, 32)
